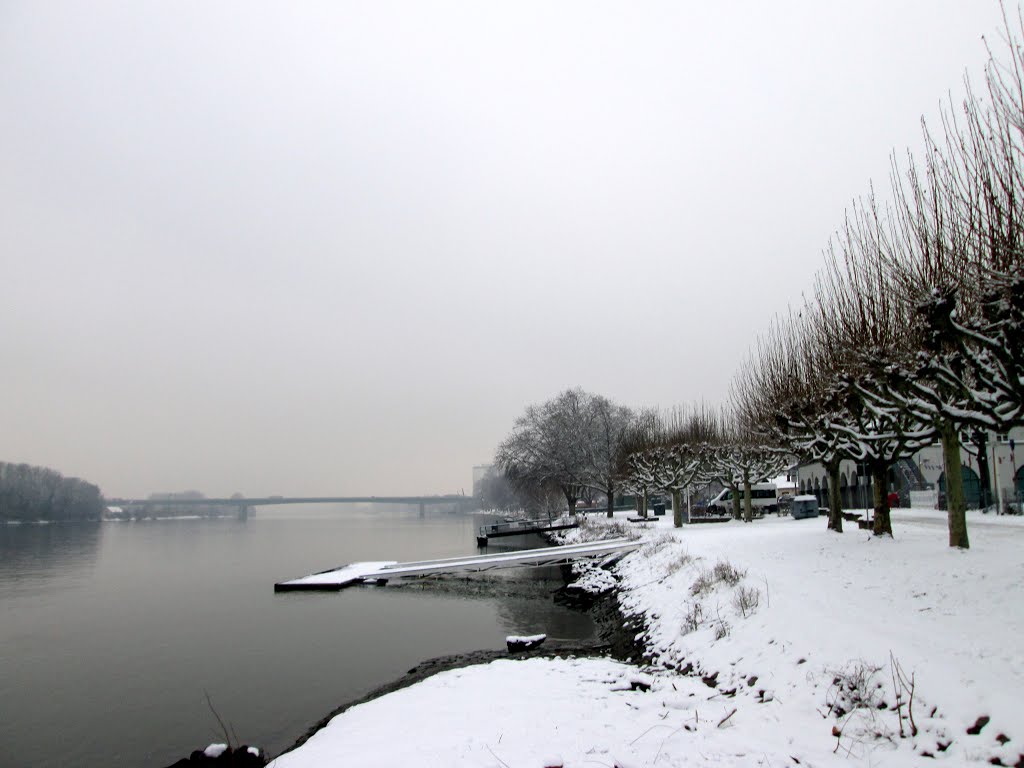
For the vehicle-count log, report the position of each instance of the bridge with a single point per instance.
(244, 503)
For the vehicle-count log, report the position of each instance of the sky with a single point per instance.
(337, 247)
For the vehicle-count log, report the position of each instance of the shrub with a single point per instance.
(693, 617)
(746, 600)
(704, 583)
(722, 628)
(728, 573)
(855, 686)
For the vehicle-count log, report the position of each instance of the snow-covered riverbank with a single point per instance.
(774, 643)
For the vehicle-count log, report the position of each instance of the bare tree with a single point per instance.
(783, 393)
(546, 446)
(744, 456)
(571, 442)
(609, 428)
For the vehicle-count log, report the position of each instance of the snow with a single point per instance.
(215, 750)
(737, 684)
(592, 579)
(345, 573)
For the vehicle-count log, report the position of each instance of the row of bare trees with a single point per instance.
(578, 442)
(914, 332)
(689, 448)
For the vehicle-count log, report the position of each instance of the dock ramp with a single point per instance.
(380, 572)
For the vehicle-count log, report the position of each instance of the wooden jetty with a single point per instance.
(520, 527)
(380, 572)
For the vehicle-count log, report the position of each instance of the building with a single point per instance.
(989, 467)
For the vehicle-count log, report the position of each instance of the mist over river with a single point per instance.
(112, 633)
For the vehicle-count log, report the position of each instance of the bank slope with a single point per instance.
(774, 643)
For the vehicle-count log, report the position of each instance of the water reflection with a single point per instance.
(31, 550)
(522, 599)
(114, 631)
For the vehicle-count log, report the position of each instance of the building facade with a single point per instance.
(988, 465)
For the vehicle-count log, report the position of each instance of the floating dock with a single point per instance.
(520, 527)
(380, 572)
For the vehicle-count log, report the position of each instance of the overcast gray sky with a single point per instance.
(338, 247)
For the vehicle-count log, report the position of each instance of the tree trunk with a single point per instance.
(984, 476)
(611, 499)
(643, 505)
(748, 507)
(736, 513)
(835, 501)
(570, 500)
(880, 488)
(956, 504)
(677, 508)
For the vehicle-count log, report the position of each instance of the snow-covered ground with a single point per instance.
(774, 644)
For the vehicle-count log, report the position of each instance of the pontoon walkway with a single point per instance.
(382, 571)
(520, 527)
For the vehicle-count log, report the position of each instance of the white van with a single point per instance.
(764, 497)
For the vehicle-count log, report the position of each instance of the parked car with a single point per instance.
(763, 498)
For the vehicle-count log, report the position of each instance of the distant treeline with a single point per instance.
(166, 505)
(38, 493)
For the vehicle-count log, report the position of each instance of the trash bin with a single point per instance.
(804, 506)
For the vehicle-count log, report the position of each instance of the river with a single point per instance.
(112, 634)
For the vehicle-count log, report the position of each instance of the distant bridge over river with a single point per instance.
(458, 502)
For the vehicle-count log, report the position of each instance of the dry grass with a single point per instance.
(727, 573)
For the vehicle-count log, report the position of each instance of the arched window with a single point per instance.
(972, 488)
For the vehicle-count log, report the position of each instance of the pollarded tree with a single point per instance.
(687, 457)
(744, 457)
(863, 327)
(641, 455)
(782, 393)
(957, 258)
(668, 453)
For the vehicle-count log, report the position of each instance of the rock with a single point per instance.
(980, 723)
(527, 643)
(223, 756)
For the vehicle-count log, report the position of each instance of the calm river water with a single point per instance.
(112, 633)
